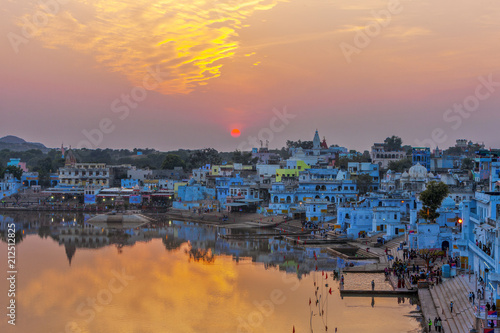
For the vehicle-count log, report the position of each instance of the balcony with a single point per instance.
(489, 259)
(474, 217)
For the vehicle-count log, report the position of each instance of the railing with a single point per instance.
(475, 216)
(482, 254)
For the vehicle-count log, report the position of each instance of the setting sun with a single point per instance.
(235, 133)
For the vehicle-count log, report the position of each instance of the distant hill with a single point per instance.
(15, 143)
(12, 139)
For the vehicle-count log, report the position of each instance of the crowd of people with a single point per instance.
(437, 324)
(485, 247)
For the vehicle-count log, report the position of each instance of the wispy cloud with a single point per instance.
(407, 33)
(187, 39)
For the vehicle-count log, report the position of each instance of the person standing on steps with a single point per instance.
(430, 325)
(451, 306)
(436, 324)
(373, 284)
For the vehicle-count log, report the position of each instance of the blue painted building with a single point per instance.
(479, 244)
(29, 179)
(495, 177)
(376, 214)
(9, 185)
(331, 185)
(422, 156)
(195, 192)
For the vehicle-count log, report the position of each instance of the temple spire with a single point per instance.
(316, 140)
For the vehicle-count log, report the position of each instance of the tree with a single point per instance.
(467, 164)
(17, 172)
(171, 161)
(393, 143)
(201, 157)
(432, 198)
(454, 151)
(429, 255)
(401, 165)
(243, 157)
(44, 168)
(284, 153)
(408, 149)
(301, 144)
(364, 182)
(343, 162)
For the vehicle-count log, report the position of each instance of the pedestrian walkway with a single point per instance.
(429, 310)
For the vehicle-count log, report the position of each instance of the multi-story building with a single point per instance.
(381, 156)
(83, 174)
(495, 177)
(479, 244)
(263, 155)
(376, 214)
(330, 185)
(200, 175)
(317, 211)
(371, 169)
(422, 156)
(16, 162)
(9, 185)
(483, 164)
(291, 170)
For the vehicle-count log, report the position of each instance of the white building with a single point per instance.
(380, 156)
(83, 174)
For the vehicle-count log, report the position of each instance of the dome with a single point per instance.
(405, 175)
(418, 171)
(431, 175)
(340, 175)
(448, 202)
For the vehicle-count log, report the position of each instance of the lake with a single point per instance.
(181, 277)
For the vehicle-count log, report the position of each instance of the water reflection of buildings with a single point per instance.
(86, 236)
(72, 232)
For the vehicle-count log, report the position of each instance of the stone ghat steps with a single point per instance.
(468, 309)
(368, 255)
(443, 310)
(457, 290)
(394, 243)
(459, 296)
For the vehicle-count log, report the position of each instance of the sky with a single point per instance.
(169, 74)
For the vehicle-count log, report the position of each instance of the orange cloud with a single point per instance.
(188, 40)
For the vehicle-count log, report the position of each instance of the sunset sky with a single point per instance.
(170, 74)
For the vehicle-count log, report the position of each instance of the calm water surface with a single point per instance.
(181, 277)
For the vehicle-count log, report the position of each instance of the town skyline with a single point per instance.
(350, 71)
(247, 144)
